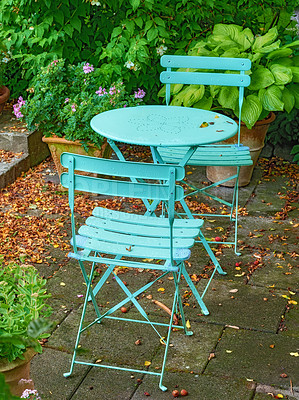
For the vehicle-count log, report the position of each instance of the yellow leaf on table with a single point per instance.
(228, 351)
(296, 354)
(62, 284)
(147, 363)
(279, 396)
(285, 296)
(292, 302)
(161, 289)
(188, 325)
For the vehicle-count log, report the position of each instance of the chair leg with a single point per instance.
(161, 386)
(236, 212)
(88, 292)
(181, 309)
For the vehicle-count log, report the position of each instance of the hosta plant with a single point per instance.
(274, 74)
(23, 310)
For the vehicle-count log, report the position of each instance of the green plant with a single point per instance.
(274, 74)
(22, 310)
(63, 99)
(114, 32)
(295, 151)
(4, 58)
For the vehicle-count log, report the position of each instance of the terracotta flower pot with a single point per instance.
(59, 145)
(253, 138)
(17, 373)
(4, 96)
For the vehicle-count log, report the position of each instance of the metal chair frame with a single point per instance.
(117, 238)
(195, 73)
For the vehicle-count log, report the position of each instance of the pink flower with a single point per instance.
(87, 68)
(67, 100)
(101, 91)
(140, 94)
(73, 107)
(112, 90)
(17, 107)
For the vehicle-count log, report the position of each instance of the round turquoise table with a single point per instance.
(167, 126)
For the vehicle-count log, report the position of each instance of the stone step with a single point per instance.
(15, 138)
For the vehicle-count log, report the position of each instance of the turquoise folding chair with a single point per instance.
(117, 238)
(194, 70)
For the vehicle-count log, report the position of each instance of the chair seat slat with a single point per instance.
(145, 220)
(131, 251)
(132, 229)
(124, 238)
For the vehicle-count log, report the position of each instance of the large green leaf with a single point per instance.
(228, 97)
(261, 78)
(286, 61)
(230, 36)
(251, 110)
(289, 100)
(269, 49)
(282, 74)
(193, 95)
(205, 103)
(294, 44)
(294, 89)
(265, 40)
(272, 99)
(279, 53)
(295, 71)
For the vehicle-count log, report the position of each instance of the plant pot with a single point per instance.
(16, 370)
(4, 96)
(253, 138)
(59, 145)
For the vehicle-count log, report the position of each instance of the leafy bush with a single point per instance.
(284, 129)
(124, 37)
(22, 309)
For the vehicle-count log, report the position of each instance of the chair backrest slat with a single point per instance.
(216, 63)
(203, 78)
(120, 168)
(196, 74)
(121, 188)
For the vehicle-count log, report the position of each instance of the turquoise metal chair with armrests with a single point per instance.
(118, 238)
(214, 154)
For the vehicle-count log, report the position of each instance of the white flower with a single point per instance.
(129, 64)
(5, 60)
(95, 3)
(31, 28)
(161, 50)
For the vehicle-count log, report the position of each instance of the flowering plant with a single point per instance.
(63, 100)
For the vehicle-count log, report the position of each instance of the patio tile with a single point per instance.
(260, 356)
(198, 387)
(47, 373)
(231, 303)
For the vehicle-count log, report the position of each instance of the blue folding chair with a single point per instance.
(195, 70)
(118, 238)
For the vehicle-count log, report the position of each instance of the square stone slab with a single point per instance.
(198, 386)
(189, 353)
(260, 356)
(246, 306)
(47, 371)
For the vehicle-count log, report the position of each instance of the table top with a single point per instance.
(164, 126)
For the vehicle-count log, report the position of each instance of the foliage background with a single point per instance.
(122, 37)
(117, 31)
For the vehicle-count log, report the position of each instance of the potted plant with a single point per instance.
(274, 78)
(4, 91)
(62, 101)
(22, 321)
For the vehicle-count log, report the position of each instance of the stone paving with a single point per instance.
(247, 348)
